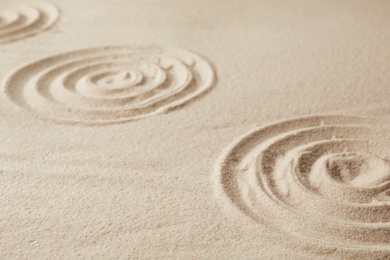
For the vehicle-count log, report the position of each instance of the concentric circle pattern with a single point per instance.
(323, 179)
(111, 84)
(20, 19)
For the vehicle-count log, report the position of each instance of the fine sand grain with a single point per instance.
(123, 126)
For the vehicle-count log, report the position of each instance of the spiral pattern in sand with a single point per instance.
(110, 84)
(22, 19)
(323, 179)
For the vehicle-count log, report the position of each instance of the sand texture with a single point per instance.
(110, 84)
(22, 19)
(145, 129)
(322, 179)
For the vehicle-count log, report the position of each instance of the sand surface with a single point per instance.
(194, 129)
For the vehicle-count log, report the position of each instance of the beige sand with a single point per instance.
(121, 124)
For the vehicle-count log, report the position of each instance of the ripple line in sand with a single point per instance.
(322, 179)
(21, 19)
(110, 84)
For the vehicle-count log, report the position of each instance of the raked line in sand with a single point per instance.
(108, 85)
(323, 179)
(22, 19)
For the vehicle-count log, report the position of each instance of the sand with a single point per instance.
(194, 129)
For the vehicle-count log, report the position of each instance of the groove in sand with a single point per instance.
(110, 84)
(22, 19)
(323, 179)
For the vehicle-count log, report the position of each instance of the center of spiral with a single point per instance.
(358, 170)
(117, 79)
(122, 76)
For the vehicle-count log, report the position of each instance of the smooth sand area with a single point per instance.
(137, 129)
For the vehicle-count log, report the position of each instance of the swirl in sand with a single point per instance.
(22, 19)
(110, 84)
(323, 179)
